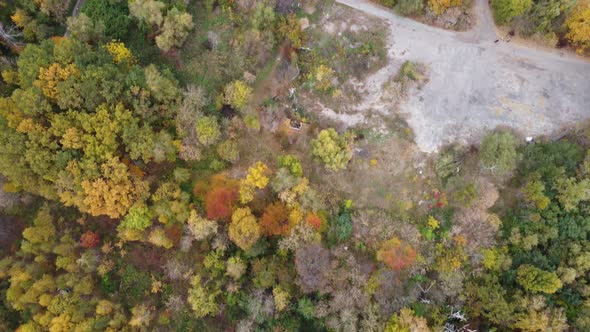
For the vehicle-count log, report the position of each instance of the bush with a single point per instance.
(441, 6)
(387, 3)
(409, 7)
(498, 153)
(407, 72)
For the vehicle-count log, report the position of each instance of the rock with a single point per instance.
(304, 22)
(212, 39)
(249, 77)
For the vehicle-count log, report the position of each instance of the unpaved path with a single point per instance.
(476, 84)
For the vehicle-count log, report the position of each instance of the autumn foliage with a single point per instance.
(89, 239)
(396, 255)
(219, 202)
(275, 220)
(313, 220)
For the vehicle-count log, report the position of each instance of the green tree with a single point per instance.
(149, 12)
(536, 280)
(506, 10)
(498, 153)
(572, 192)
(228, 151)
(177, 25)
(237, 94)
(85, 30)
(334, 150)
(114, 15)
(208, 131)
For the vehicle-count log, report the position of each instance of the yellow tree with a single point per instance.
(244, 231)
(256, 178)
(578, 25)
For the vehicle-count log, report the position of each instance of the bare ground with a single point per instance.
(475, 84)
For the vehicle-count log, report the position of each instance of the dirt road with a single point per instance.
(476, 84)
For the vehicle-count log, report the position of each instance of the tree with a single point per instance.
(85, 30)
(163, 87)
(441, 6)
(312, 263)
(408, 321)
(219, 203)
(536, 280)
(89, 239)
(237, 94)
(228, 151)
(200, 227)
(147, 11)
(333, 150)
(202, 300)
(114, 15)
(292, 164)
(275, 220)
(244, 231)
(256, 178)
(281, 298)
(534, 191)
(141, 316)
(396, 255)
(207, 129)
(506, 10)
(578, 26)
(498, 152)
(55, 8)
(175, 29)
(572, 192)
(119, 52)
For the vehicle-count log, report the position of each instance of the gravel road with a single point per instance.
(476, 84)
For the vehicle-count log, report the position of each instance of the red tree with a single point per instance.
(219, 203)
(313, 220)
(275, 220)
(396, 255)
(89, 239)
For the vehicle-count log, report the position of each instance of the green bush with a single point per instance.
(409, 7)
(387, 3)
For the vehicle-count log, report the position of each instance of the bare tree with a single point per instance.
(9, 35)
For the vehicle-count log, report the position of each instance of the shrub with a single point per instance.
(441, 6)
(387, 3)
(409, 7)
